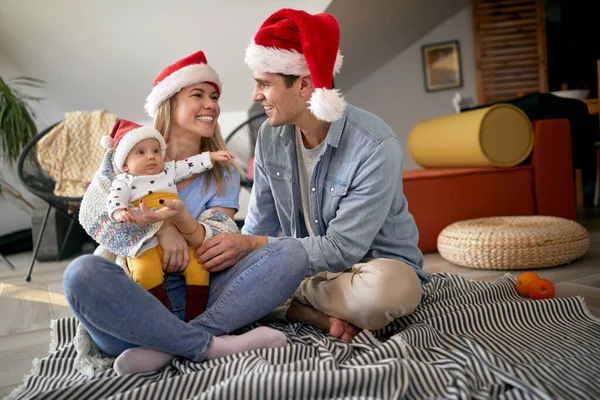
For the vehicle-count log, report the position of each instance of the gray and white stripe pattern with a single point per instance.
(467, 340)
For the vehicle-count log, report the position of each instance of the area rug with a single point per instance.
(468, 339)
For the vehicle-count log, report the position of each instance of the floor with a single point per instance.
(26, 308)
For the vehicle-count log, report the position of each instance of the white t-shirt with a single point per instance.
(307, 159)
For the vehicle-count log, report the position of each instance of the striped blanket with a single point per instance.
(468, 339)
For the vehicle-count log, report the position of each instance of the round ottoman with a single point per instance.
(526, 242)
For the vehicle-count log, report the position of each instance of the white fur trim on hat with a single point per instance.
(132, 138)
(179, 79)
(281, 61)
(327, 104)
(107, 142)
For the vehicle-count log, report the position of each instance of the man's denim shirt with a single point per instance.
(357, 204)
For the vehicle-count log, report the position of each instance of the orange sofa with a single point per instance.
(542, 185)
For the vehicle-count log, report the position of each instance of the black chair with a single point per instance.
(241, 143)
(10, 265)
(38, 182)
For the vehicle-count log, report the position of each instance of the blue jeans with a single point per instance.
(119, 314)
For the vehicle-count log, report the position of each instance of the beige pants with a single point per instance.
(370, 295)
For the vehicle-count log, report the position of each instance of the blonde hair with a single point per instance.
(162, 123)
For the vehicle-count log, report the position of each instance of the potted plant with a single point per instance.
(17, 126)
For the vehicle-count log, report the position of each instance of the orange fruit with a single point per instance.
(524, 281)
(541, 289)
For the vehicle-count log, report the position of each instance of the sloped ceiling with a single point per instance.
(106, 54)
(374, 32)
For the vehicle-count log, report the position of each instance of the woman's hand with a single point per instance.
(175, 249)
(172, 209)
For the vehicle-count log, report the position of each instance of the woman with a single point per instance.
(126, 321)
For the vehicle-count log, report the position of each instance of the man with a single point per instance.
(330, 175)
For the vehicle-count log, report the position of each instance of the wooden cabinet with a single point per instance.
(510, 48)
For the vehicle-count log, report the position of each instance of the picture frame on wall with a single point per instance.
(442, 66)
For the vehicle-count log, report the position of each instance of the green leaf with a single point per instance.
(17, 126)
(28, 80)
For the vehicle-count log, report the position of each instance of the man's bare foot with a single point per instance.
(341, 329)
(336, 327)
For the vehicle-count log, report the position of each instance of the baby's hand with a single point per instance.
(221, 155)
(122, 216)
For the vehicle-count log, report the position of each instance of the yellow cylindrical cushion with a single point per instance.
(497, 136)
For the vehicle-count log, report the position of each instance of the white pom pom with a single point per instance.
(107, 142)
(327, 104)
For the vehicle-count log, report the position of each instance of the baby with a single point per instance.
(139, 156)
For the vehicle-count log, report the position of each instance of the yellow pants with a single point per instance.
(147, 270)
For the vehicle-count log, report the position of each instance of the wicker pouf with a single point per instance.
(513, 242)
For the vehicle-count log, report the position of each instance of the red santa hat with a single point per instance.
(125, 135)
(294, 42)
(185, 72)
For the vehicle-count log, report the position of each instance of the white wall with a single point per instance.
(396, 91)
(13, 215)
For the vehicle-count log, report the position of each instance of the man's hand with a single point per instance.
(226, 249)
